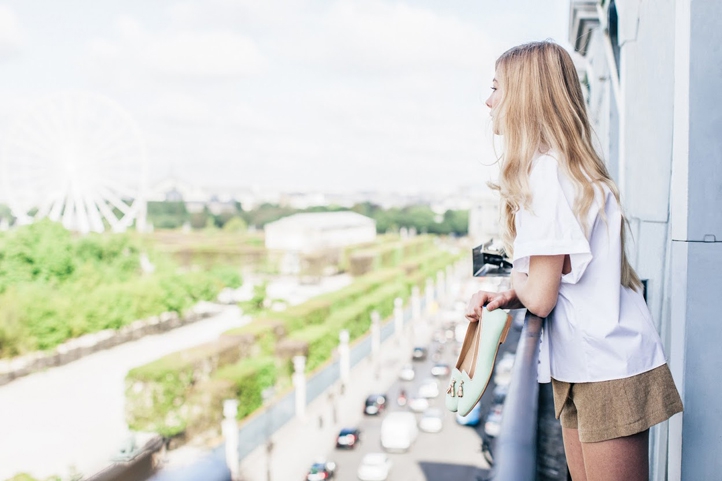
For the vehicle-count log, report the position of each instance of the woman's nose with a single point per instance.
(488, 102)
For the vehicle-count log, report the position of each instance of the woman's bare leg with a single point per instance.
(573, 452)
(624, 458)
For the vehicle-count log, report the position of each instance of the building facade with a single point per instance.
(653, 72)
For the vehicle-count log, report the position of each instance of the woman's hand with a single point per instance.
(491, 300)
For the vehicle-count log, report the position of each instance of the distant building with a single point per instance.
(484, 220)
(300, 235)
(311, 232)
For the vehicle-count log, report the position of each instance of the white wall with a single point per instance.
(670, 153)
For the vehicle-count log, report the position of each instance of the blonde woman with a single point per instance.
(563, 224)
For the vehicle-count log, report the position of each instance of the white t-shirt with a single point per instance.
(598, 330)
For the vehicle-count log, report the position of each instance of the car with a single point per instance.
(429, 389)
(419, 353)
(374, 467)
(432, 421)
(419, 404)
(407, 373)
(348, 438)
(503, 369)
(440, 369)
(399, 431)
(375, 404)
(471, 419)
(500, 392)
(492, 425)
(321, 471)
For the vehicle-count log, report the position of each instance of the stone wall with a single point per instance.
(82, 346)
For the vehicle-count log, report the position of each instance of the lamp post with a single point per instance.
(267, 395)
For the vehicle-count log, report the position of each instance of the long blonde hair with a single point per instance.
(542, 104)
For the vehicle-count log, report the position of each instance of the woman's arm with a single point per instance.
(537, 291)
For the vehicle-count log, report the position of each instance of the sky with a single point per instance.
(293, 95)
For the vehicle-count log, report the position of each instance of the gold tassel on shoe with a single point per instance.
(460, 391)
(452, 388)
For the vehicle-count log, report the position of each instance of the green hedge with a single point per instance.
(183, 391)
(156, 393)
(266, 332)
(55, 286)
(249, 378)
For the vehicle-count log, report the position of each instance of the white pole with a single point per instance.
(440, 287)
(449, 281)
(398, 316)
(299, 384)
(229, 427)
(429, 294)
(375, 333)
(344, 361)
(415, 303)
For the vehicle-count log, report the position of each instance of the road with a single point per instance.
(454, 453)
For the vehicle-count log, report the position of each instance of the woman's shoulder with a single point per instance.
(545, 172)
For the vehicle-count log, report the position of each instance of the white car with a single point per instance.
(407, 373)
(429, 389)
(419, 404)
(374, 467)
(431, 421)
(399, 431)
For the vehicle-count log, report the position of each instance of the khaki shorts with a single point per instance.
(620, 407)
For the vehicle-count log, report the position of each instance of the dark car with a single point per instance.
(419, 353)
(321, 471)
(375, 404)
(348, 438)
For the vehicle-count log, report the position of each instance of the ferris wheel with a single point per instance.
(79, 159)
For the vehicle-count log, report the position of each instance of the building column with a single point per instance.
(694, 439)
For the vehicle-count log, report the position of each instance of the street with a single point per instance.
(454, 453)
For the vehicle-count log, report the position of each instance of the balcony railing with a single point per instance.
(515, 453)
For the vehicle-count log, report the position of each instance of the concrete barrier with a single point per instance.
(74, 349)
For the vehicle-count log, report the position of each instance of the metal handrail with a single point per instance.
(515, 450)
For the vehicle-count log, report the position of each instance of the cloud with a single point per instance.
(12, 36)
(386, 36)
(350, 36)
(171, 53)
(181, 108)
(204, 54)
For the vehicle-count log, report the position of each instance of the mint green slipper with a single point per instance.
(477, 366)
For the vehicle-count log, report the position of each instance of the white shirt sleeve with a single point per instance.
(549, 227)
